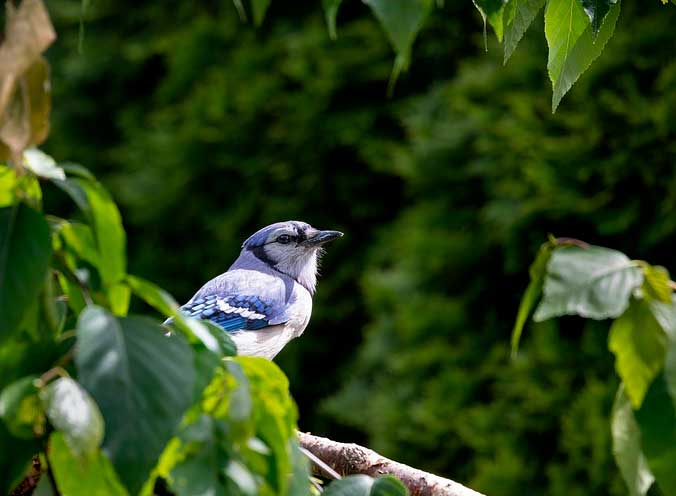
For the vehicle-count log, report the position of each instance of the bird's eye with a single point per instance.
(284, 239)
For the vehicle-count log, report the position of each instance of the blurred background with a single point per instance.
(205, 129)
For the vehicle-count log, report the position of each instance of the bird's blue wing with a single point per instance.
(232, 313)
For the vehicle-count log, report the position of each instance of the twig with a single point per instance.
(349, 459)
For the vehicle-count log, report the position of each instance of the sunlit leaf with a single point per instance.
(20, 408)
(74, 413)
(627, 447)
(25, 250)
(518, 16)
(492, 11)
(93, 476)
(639, 344)
(129, 366)
(656, 283)
(572, 48)
(592, 282)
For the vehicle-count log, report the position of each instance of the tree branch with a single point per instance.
(349, 459)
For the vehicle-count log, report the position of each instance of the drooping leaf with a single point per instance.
(565, 21)
(492, 11)
(212, 337)
(93, 476)
(518, 16)
(639, 344)
(537, 275)
(592, 282)
(401, 20)
(331, 13)
(569, 64)
(20, 408)
(25, 250)
(259, 8)
(596, 10)
(627, 446)
(657, 422)
(74, 413)
(134, 371)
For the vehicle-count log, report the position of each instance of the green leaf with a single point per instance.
(79, 239)
(259, 8)
(565, 21)
(20, 408)
(74, 476)
(14, 188)
(72, 411)
(570, 59)
(25, 251)
(657, 421)
(104, 218)
(331, 13)
(639, 344)
(240, 397)
(656, 283)
(363, 485)
(627, 446)
(14, 462)
(592, 282)
(213, 337)
(141, 379)
(401, 20)
(492, 11)
(519, 15)
(596, 10)
(537, 275)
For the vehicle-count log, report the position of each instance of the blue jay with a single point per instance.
(265, 298)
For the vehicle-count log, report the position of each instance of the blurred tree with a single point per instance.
(206, 129)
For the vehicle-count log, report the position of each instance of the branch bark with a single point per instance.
(347, 459)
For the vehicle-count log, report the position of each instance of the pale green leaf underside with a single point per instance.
(519, 15)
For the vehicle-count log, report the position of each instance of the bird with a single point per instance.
(264, 300)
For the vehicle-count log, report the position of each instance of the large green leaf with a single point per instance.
(141, 379)
(363, 485)
(639, 344)
(73, 412)
(537, 271)
(74, 476)
(20, 408)
(572, 51)
(592, 282)
(519, 15)
(657, 421)
(596, 10)
(25, 250)
(492, 11)
(401, 20)
(627, 446)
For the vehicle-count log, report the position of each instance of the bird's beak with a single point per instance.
(322, 237)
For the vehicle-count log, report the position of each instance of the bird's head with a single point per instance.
(292, 248)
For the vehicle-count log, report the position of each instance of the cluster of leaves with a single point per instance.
(576, 30)
(103, 401)
(573, 278)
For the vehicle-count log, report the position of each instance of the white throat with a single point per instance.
(301, 265)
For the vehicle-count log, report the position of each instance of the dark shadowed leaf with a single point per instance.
(25, 250)
(492, 11)
(592, 282)
(331, 13)
(14, 462)
(657, 421)
(74, 413)
(639, 344)
(388, 486)
(259, 8)
(143, 382)
(627, 446)
(518, 16)
(363, 485)
(74, 476)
